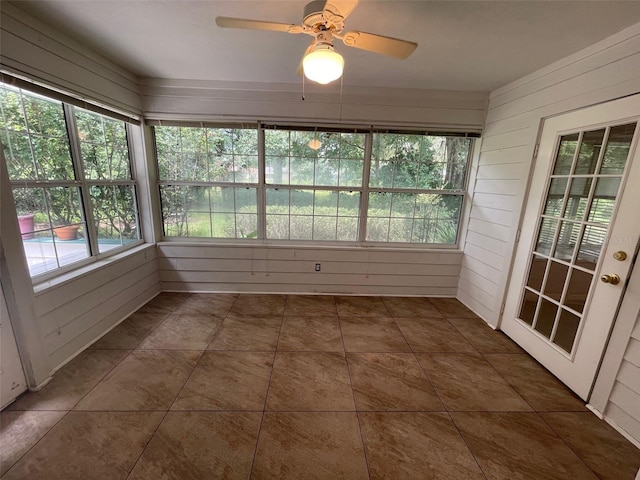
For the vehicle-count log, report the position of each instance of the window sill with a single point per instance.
(373, 247)
(90, 268)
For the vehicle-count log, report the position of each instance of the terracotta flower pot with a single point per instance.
(68, 232)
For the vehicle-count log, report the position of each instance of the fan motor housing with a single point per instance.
(313, 13)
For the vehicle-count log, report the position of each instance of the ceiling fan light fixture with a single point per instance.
(323, 64)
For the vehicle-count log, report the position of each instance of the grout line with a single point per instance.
(475, 458)
(166, 412)
(266, 395)
(513, 387)
(41, 438)
(561, 437)
(355, 405)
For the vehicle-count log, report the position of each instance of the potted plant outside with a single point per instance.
(64, 210)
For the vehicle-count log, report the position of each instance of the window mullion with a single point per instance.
(366, 176)
(84, 187)
(262, 200)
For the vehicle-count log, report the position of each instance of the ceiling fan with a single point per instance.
(324, 20)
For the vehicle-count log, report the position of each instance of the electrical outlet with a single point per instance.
(317, 267)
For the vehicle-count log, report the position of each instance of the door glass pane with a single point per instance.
(528, 307)
(578, 198)
(604, 199)
(615, 156)
(589, 152)
(569, 234)
(545, 235)
(555, 280)
(590, 246)
(566, 332)
(566, 151)
(555, 197)
(546, 317)
(578, 289)
(536, 272)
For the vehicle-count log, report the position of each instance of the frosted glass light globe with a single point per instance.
(323, 65)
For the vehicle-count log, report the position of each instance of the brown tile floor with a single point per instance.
(197, 386)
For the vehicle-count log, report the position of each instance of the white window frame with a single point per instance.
(364, 189)
(81, 182)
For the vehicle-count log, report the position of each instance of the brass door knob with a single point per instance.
(613, 279)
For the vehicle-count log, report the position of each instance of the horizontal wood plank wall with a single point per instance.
(35, 50)
(200, 100)
(73, 314)
(278, 269)
(624, 404)
(607, 70)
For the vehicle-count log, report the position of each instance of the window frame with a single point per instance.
(364, 188)
(80, 182)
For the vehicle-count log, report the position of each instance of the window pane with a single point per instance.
(52, 227)
(207, 154)
(419, 161)
(34, 134)
(114, 212)
(312, 215)
(219, 212)
(416, 218)
(103, 145)
(314, 158)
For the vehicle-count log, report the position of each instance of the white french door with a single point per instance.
(578, 239)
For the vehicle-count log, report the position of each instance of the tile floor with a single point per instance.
(197, 386)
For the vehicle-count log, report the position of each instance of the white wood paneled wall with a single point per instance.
(623, 403)
(207, 100)
(607, 70)
(279, 269)
(72, 314)
(35, 50)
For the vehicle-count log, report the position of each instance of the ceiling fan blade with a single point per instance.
(340, 7)
(229, 22)
(393, 47)
(300, 70)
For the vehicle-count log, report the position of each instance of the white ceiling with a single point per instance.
(463, 45)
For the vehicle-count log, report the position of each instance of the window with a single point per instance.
(209, 180)
(416, 188)
(326, 185)
(313, 193)
(71, 178)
